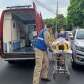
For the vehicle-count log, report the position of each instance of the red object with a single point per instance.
(38, 21)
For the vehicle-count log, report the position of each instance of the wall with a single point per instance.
(7, 31)
(7, 27)
(12, 33)
(18, 34)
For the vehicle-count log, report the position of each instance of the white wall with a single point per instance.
(15, 31)
(7, 25)
(11, 31)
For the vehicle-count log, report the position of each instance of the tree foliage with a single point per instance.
(76, 13)
(75, 17)
(60, 21)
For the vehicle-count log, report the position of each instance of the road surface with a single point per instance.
(22, 74)
(16, 74)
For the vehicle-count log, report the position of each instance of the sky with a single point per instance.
(50, 5)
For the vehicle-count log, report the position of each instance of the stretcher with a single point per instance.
(61, 48)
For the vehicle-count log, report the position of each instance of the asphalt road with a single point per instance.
(16, 74)
(22, 74)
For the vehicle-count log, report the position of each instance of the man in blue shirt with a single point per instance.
(44, 40)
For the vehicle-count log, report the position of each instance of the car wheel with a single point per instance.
(74, 65)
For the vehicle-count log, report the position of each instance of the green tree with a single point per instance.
(76, 13)
(60, 21)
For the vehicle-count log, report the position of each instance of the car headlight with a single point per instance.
(75, 47)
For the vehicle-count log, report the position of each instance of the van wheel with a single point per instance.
(11, 62)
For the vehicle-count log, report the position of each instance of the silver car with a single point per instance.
(78, 47)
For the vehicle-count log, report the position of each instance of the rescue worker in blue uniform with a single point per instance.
(44, 40)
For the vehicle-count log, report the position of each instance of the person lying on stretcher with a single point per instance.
(62, 43)
(59, 47)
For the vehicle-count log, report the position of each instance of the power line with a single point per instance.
(44, 6)
(57, 14)
(47, 8)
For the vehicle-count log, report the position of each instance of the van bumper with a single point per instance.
(18, 56)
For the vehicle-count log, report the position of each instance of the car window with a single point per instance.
(80, 34)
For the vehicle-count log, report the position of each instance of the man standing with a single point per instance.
(44, 40)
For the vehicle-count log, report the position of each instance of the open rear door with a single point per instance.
(1, 33)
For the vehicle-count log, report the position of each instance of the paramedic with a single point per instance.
(44, 40)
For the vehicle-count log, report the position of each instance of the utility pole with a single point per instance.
(56, 14)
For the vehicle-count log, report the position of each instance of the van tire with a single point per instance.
(11, 62)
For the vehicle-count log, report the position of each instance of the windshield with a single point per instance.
(80, 34)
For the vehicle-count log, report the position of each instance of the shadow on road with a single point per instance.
(79, 68)
(29, 64)
(18, 73)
